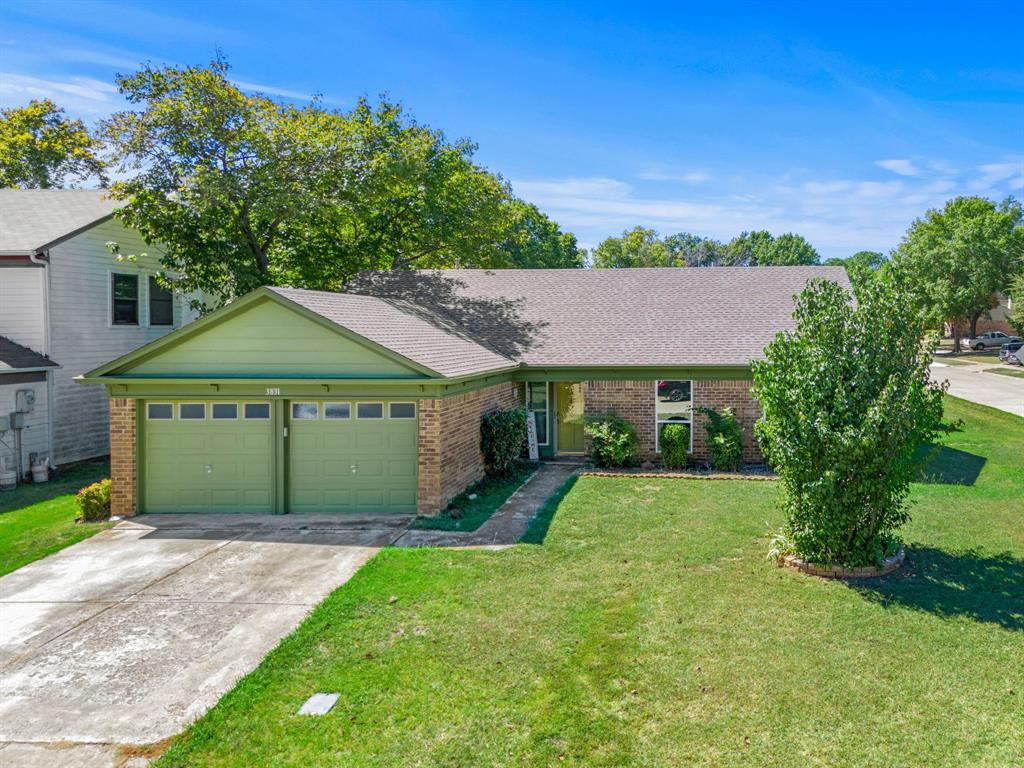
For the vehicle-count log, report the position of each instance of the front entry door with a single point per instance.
(569, 430)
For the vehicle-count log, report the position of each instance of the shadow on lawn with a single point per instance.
(537, 531)
(985, 588)
(948, 466)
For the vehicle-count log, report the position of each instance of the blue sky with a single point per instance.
(840, 123)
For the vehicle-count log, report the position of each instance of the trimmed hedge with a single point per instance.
(502, 440)
(674, 442)
(613, 440)
(94, 502)
(725, 439)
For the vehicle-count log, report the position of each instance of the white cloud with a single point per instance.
(272, 90)
(902, 167)
(697, 176)
(80, 96)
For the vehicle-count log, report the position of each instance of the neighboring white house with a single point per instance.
(64, 297)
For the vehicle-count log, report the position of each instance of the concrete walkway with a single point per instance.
(509, 523)
(970, 382)
(129, 636)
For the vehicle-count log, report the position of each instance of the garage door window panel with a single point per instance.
(224, 411)
(305, 411)
(192, 411)
(369, 410)
(256, 411)
(159, 411)
(402, 410)
(335, 411)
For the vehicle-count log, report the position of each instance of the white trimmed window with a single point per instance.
(159, 411)
(305, 411)
(673, 404)
(401, 410)
(369, 410)
(223, 411)
(192, 411)
(256, 410)
(334, 411)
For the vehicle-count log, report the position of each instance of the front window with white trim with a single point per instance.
(673, 404)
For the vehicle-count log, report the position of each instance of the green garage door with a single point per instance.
(352, 456)
(207, 457)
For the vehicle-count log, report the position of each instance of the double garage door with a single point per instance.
(285, 456)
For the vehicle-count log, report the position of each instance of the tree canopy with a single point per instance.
(847, 401)
(861, 266)
(960, 257)
(41, 148)
(643, 247)
(242, 191)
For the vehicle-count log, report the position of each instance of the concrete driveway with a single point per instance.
(970, 382)
(129, 636)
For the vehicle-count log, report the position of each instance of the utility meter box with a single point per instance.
(17, 420)
(25, 400)
(5, 423)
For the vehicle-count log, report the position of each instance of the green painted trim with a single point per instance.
(278, 424)
(632, 373)
(140, 458)
(146, 351)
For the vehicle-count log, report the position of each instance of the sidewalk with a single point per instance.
(508, 524)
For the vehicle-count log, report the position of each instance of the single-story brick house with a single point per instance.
(370, 400)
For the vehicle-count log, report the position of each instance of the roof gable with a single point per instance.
(262, 335)
(33, 220)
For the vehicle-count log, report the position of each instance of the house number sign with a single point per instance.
(273, 391)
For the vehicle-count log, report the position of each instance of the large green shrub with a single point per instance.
(674, 442)
(613, 440)
(502, 439)
(847, 400)
(725, 439)
(94, 502)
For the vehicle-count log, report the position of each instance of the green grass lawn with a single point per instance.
(38, 520)
(466, 514)
(1017, 373)
(971, 357)
(646, 628)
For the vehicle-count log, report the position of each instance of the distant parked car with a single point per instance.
(1016, 358)
(1006, 349)
(991, 340)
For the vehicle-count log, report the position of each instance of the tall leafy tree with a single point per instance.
(643, 247)
(241, 191)
(847, 402)
(41, 148)
(534, 240)
(961, 257)
(861, 266)
(1017, 300)
(762, 249)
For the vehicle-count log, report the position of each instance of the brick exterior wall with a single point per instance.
(634, 400)
(717, 395)
(449, 442)
(123, 451)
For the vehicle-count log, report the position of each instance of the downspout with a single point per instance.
(44, 262)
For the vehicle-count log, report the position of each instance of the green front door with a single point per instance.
(569, 429)
(206, 457)
(352, 456)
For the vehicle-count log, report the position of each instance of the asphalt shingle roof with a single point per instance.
(14, 357)
(33, 218)
(403, 328)
(601, 317)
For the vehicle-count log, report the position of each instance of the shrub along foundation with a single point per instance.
(888, 565)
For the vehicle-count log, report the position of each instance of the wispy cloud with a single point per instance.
(838, 215)
(81, 96)
(272, 90)
(902, 167)
(691, 177)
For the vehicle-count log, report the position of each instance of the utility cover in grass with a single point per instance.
(319, 704)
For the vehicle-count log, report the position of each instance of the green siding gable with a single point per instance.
(269, 340)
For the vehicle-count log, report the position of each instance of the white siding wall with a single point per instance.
(82, 336)
(33, 437)
(22, 290)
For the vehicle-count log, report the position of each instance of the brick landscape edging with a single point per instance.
(888, 565)
(680, 474)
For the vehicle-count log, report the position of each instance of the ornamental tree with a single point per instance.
(847, 401)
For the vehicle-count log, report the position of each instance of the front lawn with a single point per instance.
(474, 506)
(38, 519)
(1017, 373)
(647, 628)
